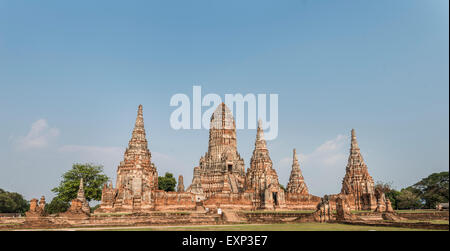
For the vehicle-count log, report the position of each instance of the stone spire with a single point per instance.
(295, 159)
(180, 187)
(296, 181)
(81, 197)
(262, 179)
(354, 148)
(222, 133)
(80, 194)
(357, 181)
(138, 146)
(261, 152)
(137, 177)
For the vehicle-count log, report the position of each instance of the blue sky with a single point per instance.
(72, 75)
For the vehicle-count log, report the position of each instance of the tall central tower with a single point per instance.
(221, 169)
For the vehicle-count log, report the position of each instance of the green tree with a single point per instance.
(93, 179)
(432, 189)
(167, 183)
(282, 187)
(408, 200)
(57, 205)
(11, 202)
(392, 195)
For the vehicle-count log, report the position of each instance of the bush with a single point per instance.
(12, 202)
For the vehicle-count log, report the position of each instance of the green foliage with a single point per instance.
(432, 189)
(167, 183)
(426, 193)
(93, 182)
(282, 187)
(408, 200)
(57, 205)
(94, 208)
(392, 195)
(12, 202)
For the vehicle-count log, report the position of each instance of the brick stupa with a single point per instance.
(357, 184)
(81, 197)
(296, 183)
(137, 178)
(262, 179)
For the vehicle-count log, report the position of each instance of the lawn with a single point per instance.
(443, 222)
(269, 227)
(418, 211)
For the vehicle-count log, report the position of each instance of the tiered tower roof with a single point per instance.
(222, 133)
(260, 153)
(357, 179)
(81, 197)
(296, 181)
(137, 146)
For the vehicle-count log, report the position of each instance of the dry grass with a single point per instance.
(272, 227)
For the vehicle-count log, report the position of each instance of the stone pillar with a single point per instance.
(180, 187)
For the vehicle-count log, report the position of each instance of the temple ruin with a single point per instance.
(221, 180)
(262, 180)
(296, 183)
(221, 169)
(221, 183)
(81, 197)
(137, 177)
(357, 184)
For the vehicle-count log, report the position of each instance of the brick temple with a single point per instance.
(221, 180)
(357, 184)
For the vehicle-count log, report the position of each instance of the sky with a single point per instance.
(72, 75)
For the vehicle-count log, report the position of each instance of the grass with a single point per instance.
(9, 224)
(415, 211)
(271, 227)
(443, 222)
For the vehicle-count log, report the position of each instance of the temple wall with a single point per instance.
(174, 201)
(229, 201)
(270, 218)
(113, 220)
(301, 202)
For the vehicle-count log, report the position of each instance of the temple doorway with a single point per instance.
(275, 199)
(230, 168)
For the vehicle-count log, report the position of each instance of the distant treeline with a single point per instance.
(12, 202)
(425, 194)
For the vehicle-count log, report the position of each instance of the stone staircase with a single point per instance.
(232, 180)
(136, 203)
(232, 217)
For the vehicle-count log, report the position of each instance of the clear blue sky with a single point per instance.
(78, 70)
